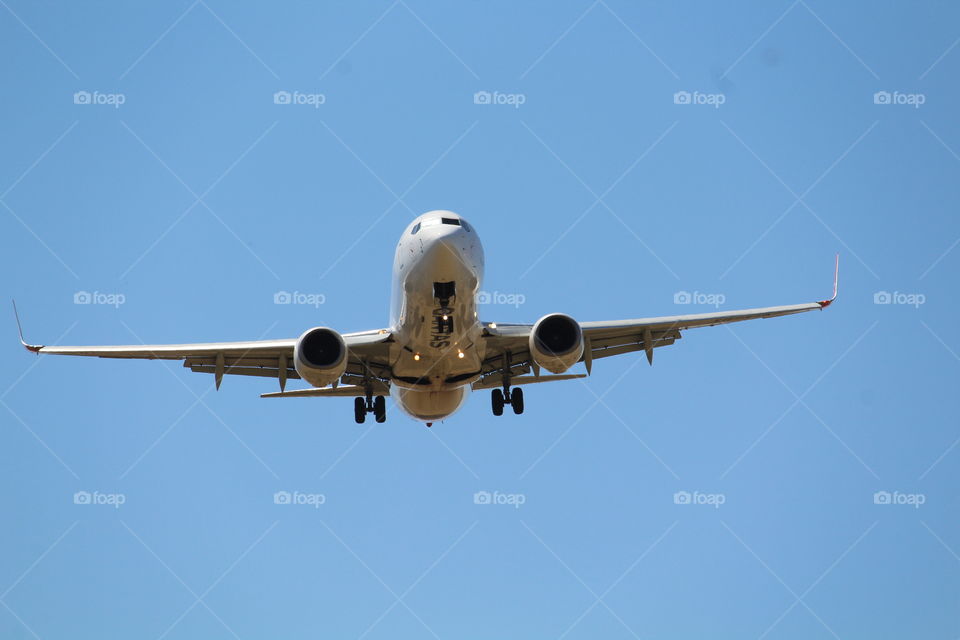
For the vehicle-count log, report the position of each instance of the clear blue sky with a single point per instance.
(198, 198)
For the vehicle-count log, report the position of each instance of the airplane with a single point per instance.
(436, 349)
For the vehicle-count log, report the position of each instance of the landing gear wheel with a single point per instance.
(359, 410)
(496, 400)
(380, 409)
(516, 401)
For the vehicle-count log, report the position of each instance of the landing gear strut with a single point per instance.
(498, 397)
(368, 404)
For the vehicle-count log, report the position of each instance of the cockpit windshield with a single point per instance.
(435, 221)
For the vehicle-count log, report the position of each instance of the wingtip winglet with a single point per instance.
(35, 348)
(836, 274)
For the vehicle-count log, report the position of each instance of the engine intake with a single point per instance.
(320, 356)
(556, 342)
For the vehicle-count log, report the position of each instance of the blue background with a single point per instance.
(200, 198)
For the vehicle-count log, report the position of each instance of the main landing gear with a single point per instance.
(499, 398)
(362, 406)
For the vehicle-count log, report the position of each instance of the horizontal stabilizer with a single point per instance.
(343, 391)
(493, 382)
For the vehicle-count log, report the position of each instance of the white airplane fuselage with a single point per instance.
(437, 350)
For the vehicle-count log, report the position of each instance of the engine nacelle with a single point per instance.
(556, 342)
(320, 356)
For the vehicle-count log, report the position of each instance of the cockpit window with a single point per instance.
(463, 223)
(416, 228)
(453, 221)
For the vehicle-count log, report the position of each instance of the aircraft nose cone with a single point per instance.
(443, 258)
(442, 251)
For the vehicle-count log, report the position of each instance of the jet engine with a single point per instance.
(556, 342)
(320, 356)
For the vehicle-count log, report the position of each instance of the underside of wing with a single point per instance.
(508, 351)
(367, 356)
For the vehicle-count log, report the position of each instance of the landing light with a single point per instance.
(444, 316)
(460, 354)
(416, 356)
(493, 325)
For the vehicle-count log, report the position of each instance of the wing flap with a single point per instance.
(262, 372)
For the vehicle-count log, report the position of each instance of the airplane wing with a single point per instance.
(367, 351)
(507, 344)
